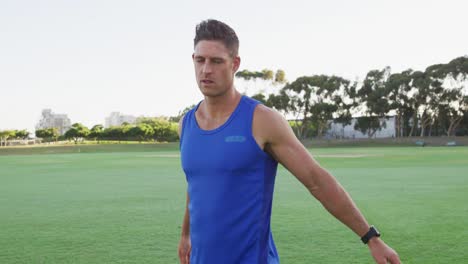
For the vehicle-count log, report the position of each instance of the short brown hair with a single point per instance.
(212, 29)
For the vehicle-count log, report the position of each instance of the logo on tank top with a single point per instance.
(234, 139)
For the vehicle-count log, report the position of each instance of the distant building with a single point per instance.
(51, 120)
(116, 119)
(337, 130)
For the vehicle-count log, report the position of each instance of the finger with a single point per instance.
(182, 257)
(394, 259)
(381, 261)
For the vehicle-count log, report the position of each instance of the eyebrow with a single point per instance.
(212, 58)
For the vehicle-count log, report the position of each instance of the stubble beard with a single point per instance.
(214, 92)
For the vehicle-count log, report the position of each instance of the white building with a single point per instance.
(337, 130)
(116, 119)
(51, 120)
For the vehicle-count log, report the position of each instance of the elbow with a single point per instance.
(323, 185)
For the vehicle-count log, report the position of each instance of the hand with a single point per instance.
(185, 247)
(382, 253)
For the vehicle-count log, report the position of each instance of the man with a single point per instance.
(230, 148)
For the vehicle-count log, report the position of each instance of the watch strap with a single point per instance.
(370, 234)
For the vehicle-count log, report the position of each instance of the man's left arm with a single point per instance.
(278, 139)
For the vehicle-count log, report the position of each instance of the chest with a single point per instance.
(210, 123)
(233, 150)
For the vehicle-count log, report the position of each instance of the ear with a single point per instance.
(236, 63)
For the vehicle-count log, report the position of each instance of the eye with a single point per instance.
(218, 61)
(199, 59)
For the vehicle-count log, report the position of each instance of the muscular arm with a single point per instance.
(282, 144)
(185, 246)
(186, 222)
(273, 133)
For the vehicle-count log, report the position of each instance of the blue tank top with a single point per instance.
(230, 185)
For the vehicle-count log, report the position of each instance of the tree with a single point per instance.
(113, 133)
(372, 97)
(279, 102)
(142, 132)
(147, 131)
(451, 79)
(181, 113)
(77, 132)
(345, 99)
(5, 135)
(451, 109)
(280, 77)
(267, 74)
(299, 93)
(125, 130)
(321, 113)
(96, 132)
(316, 99)
(271, 79)
(252, 75)
(368, 125)
(248, 76)
(260, 97)
(463, 129)
(48, 134)
(22, 134)
(40, 133)
(427, 98)
(13, 134)
(398, 87)
(164, 130)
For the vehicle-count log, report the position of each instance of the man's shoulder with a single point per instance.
(265, 114)
(268, 123)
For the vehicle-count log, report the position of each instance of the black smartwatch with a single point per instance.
(373, 232)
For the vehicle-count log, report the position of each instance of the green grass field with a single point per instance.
(124, 204)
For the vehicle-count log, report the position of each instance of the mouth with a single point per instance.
(206, 81)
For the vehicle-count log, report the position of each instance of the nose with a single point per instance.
(206, 68)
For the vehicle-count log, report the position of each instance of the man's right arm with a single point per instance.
(186, 222)
(185, 245)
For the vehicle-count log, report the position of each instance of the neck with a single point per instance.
(220, 106)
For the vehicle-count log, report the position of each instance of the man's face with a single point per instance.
(214, 67)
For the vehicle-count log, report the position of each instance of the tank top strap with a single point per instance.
(246, 112)
(188, 122)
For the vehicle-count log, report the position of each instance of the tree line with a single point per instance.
(6, 135)
(433, 102)
(157, 129)
(145, 129)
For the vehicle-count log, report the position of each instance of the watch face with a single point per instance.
(377, 233)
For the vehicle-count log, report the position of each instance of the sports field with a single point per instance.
(124, 204)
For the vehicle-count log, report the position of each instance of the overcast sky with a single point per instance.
(89, 58)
